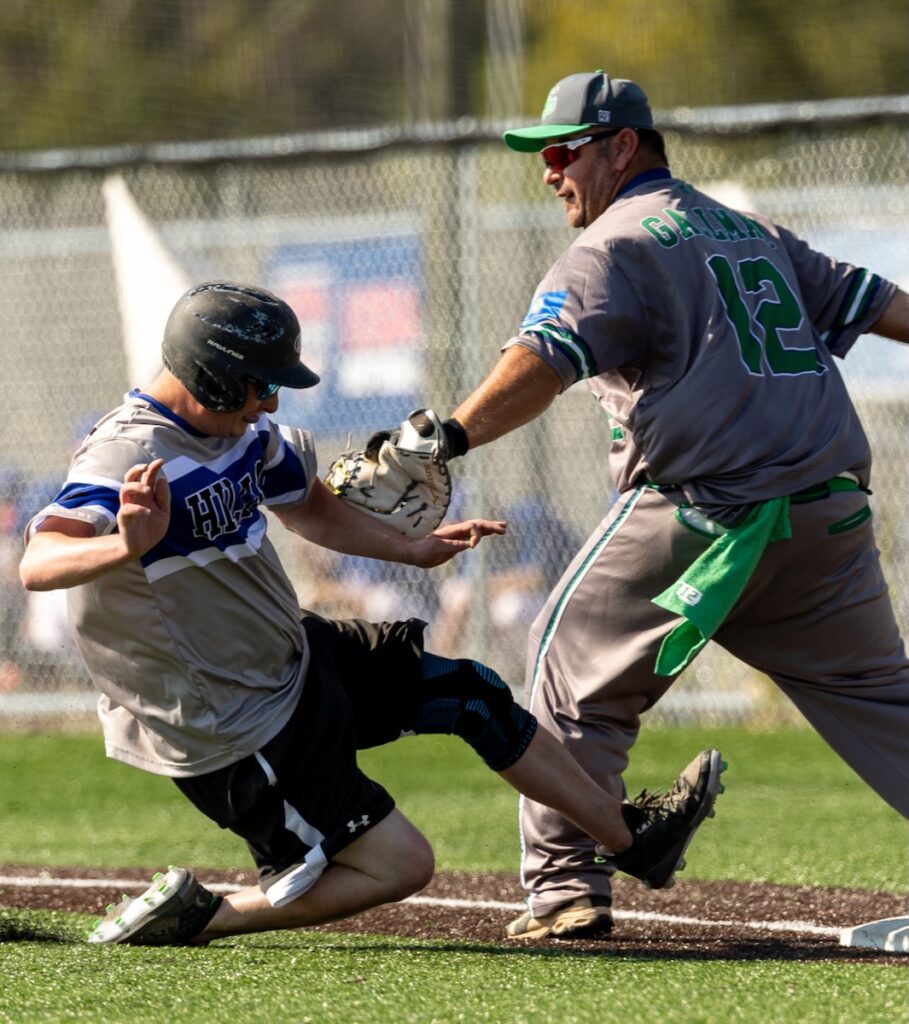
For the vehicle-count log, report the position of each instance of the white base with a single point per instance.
(890, 934)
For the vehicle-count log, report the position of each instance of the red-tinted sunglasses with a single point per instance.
(558, 156)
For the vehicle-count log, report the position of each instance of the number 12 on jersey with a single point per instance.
(758, 323)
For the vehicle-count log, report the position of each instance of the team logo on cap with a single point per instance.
(550, 104)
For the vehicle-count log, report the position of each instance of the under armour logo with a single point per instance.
(687, 594)
(352, 825)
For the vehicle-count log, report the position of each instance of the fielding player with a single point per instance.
(209, 674)
(707, 337)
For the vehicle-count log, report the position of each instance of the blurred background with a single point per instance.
(348, 156)
(109, 72)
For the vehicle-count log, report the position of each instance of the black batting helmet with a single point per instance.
(220, 335)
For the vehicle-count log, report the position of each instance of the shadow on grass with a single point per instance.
(17, 931)
(22, 926)
(25, 926)
(757, 949)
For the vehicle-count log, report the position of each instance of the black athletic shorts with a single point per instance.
(302, 798)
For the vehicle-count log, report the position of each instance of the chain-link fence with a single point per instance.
(410, 258)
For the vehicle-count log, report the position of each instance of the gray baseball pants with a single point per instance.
(815, 617)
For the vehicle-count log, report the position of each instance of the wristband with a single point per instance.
(455, 438)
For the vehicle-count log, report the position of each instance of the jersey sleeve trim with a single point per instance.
(87, 497)
(285, 478)
(571, 345)
(854, 307)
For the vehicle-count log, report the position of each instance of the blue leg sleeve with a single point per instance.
(470, 700)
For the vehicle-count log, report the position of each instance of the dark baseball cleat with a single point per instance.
(171, 912)
(663, 825)
(584, 918)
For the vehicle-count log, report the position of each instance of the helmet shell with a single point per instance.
(221, 334)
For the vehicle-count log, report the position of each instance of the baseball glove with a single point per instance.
(401, 476)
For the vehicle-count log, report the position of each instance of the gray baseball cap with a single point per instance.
(584, 101)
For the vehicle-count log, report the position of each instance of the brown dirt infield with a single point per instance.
(741, 915)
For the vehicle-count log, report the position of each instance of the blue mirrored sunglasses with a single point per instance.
(262, 390)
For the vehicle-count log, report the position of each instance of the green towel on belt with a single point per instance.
(706, 592)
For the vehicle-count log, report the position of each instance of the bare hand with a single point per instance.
(144, 507)
(452, 539)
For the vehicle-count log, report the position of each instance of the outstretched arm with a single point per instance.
(520, 387)
(894, 321)
(326, 520)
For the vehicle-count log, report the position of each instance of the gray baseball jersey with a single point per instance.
(707, 337)
(197, 648)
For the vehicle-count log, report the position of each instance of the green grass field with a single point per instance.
(792, 813)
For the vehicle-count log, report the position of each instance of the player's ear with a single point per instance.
(625, 146)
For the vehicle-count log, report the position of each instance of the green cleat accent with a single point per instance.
(171, 912)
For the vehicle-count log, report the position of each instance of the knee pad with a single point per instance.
(468, 699)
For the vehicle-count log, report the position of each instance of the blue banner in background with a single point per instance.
(360, 308)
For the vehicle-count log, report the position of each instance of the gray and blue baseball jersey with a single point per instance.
(197, 648)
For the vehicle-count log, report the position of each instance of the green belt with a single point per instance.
(708, 589)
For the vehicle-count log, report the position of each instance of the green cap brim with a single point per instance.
(533, 139)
